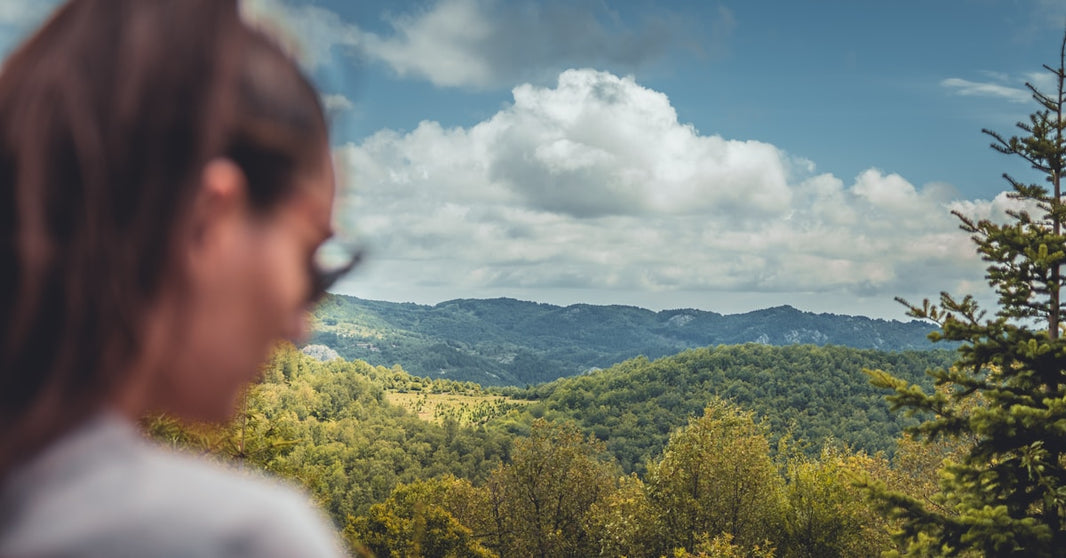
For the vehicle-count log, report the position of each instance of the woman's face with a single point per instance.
(249, 287)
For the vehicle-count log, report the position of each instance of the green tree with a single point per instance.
(625, 523)
(722, 546)
(828, 513)
(1006, 494)
(917, 463)
(416, 521)
(541, 500)
(716, 476)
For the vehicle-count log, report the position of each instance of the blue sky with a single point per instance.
(717, 155)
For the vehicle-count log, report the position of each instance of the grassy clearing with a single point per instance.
(468, 410)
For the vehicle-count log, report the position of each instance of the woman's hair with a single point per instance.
(108, 115)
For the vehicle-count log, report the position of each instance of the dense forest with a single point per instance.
(508, 342)
(807, 392)
(639, 459)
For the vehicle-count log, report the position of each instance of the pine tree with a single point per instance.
(1006, 392)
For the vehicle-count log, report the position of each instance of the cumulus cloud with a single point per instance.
(483, 43)
(594, 183)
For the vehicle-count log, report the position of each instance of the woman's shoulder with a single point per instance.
(105, 491)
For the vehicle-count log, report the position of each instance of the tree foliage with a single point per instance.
(1004, 493)
(328, 426)
(417, 520)
(626, 523)
(513, 485)
(829, 515)
(816, 392)
(716, 476)
(540, 501)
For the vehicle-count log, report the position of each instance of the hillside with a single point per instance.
(510, 342)
(816, 394)
(348, 433)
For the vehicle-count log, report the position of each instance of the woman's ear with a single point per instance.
(221, 198)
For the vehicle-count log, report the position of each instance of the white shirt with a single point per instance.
(102, 490)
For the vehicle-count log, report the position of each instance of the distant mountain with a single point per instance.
(504, 341)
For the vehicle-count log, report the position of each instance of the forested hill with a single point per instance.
(816, 393)
(507, 467)
(510, 342)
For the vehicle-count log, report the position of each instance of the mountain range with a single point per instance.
(504, 341)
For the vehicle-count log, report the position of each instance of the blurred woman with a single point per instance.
(165, 183)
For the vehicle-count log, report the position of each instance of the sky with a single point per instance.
(725, 156)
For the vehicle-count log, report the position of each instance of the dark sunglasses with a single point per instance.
(332, 260)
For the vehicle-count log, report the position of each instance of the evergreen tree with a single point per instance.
(1006, 394)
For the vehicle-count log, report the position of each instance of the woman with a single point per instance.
(164, 185)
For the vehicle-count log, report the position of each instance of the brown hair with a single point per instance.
(108, 115)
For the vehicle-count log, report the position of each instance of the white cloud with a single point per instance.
(581, 149)
(311, 32)
(986, 89)
(440, 44)
(336, 102)
(19, 17)
(1044, 81)
(594, 184)
(482, 43)
(24, 13)
(485, 43)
